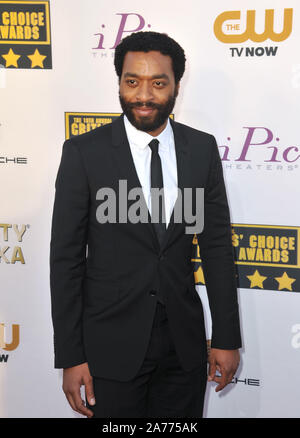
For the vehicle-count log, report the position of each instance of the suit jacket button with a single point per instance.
(152, 293)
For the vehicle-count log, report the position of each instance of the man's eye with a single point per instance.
(159, 84)
(131, 81)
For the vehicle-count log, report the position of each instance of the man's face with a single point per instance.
(147, 90)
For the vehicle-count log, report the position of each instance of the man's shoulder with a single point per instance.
(96, 134)
(98, 139)
(192, 133)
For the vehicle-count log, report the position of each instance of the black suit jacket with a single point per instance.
(104, 277)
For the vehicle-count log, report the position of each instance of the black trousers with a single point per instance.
(160, 389)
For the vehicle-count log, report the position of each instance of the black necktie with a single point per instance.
(157, 182)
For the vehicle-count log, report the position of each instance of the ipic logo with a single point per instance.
(261, 139)
(14, 340)
(227, 29)
(129, 23)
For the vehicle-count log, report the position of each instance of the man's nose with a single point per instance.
(144, 92)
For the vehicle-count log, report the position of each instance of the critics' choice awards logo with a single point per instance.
(80, 123)
(231, 28)
(266, 257)
(12, 253)
(9, 339)
(25, 34)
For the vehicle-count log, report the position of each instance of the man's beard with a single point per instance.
(147, 123)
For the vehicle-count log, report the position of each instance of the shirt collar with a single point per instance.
(141, 139)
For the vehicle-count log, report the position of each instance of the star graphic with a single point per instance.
(199, 276)
(256, 279)
(37, 59)
(11, 58)
(285, 282)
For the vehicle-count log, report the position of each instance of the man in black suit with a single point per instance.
(128, 322)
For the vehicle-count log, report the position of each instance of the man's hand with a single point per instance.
(226, 363)
(73, 378)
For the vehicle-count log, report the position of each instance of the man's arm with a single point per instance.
(216, 252)
(67, 270)
(68, 256)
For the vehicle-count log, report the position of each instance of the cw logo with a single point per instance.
(15, 337)
(250, 33)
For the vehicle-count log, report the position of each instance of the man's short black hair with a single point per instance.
(146, 42)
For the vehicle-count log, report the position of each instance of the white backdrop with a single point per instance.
(223, 92)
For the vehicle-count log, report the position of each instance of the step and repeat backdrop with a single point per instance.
(242, 84)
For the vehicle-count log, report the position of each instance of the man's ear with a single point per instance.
(177, 86)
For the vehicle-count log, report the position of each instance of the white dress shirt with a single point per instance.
(141, 154)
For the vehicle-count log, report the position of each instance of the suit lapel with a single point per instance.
(126, 170)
